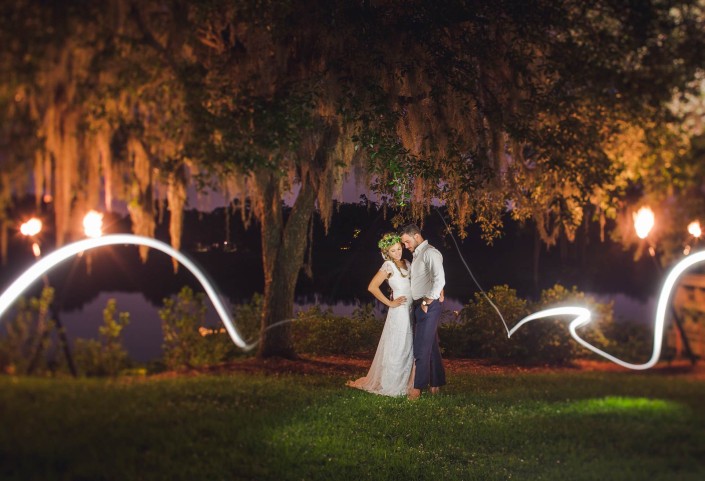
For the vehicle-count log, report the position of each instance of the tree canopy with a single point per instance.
(549, 110)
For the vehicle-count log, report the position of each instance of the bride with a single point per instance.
(391, 371)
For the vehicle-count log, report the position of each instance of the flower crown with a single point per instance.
(388, 240)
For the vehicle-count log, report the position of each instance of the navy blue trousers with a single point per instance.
(427, 354)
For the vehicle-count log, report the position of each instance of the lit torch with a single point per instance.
(694, 230)
(93, 228)
(31, 229)
(644, 222)
(93, 224)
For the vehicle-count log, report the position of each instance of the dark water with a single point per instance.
(343, 263)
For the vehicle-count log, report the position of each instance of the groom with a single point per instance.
(427, 281)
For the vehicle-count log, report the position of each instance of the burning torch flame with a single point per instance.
(644, 222)
(32, 227)
(694, 229)
(93, 224)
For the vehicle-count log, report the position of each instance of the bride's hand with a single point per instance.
(398, 301)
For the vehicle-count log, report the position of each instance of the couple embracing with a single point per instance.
(406, 363)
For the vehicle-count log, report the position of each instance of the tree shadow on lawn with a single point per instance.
(196, 427)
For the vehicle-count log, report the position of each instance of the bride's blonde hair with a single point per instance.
(387, 241)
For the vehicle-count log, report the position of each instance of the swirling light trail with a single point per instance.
(643, 222)
(45, 264)
(583, 316)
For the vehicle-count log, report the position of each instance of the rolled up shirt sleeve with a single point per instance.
(434, 261)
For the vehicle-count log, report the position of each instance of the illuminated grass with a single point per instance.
(577, 426)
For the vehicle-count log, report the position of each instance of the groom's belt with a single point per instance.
(417, 302)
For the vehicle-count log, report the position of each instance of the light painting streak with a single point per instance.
(583, 316)
(45, 264)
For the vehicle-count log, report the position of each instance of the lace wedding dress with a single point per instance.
(391, 371)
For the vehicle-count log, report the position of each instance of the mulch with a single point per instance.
(350, 367)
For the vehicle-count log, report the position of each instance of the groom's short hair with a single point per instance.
(410, 230)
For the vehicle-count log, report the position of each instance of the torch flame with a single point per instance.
(694, 229)
(32, 227)
(644, 222)
(93, 224)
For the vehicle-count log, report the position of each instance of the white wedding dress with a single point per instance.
(391, 371)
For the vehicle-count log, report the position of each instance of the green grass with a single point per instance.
(567, 426)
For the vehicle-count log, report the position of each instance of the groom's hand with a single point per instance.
(425, 304)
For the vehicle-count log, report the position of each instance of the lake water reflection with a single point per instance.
(143, 336)
(343, 262)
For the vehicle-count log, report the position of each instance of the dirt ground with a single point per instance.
(357, 366)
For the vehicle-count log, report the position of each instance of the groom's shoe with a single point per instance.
(435, 390)
(414, 394)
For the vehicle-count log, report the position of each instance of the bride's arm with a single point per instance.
(377, 281)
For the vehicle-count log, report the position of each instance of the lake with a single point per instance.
(343, 261)
(143, 336)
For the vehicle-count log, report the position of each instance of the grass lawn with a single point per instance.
(564, 425)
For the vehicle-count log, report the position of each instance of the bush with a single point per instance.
(321, 332)
(479, 332)
(187, 344)
(633, 342)
(106, 356)
(602, 319)
(25, 338)
(248, 320)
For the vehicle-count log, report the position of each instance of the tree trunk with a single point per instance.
(283, 247)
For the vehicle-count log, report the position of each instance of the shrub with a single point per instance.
(321, 332)
(25, 339)
(185, 344)
(602, 319)
(106, 356)
(633, 342)
(479, 332)
(248, 320)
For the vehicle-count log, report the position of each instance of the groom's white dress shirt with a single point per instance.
(427, 275)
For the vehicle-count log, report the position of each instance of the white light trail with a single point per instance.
(45, 264)
(583, 316)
